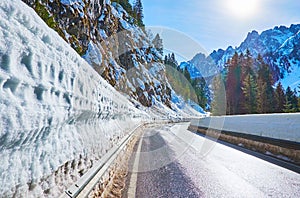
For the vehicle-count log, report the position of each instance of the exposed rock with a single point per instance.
(105, 35)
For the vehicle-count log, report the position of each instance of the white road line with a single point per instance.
(134, 174)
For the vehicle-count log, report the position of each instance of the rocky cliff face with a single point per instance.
(201, 66)
(105, 35)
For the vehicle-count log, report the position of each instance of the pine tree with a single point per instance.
(262, 98)
(288, 108)
(166, 60)
(298, 104)
(158, 44)
(201, 90)
(138, 13)
(173, 59)
(247, 66)
(279, 98)
(250, 91)
(218, 105)
(247, 101)
(265, 89)
(298, 99)
(295, 101)
(233, 86)
(291, 101)
(187, 74)
(170, 60)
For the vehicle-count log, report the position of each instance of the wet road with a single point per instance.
(173, 162)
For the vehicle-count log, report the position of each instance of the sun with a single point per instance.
(242, 9)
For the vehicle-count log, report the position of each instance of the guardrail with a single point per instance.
(285, 126)
(87, 182)
(277, 142)
(284, 150)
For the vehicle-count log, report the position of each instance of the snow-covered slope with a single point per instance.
(57, 115)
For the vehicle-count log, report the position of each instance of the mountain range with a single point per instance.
(280, 48)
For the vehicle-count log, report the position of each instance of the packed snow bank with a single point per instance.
(278, 126)
(57, 115)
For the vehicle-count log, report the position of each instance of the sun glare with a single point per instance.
(242, 9)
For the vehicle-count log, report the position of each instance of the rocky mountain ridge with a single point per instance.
(280, 48)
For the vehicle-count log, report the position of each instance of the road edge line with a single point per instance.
(133, 179)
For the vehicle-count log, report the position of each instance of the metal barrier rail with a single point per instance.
(76, 190)
(87, 182)
(268, 140)
(283, 152)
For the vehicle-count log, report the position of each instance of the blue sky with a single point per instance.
(215, 24)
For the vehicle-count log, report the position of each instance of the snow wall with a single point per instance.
(57, 115)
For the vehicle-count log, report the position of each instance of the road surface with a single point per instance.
(173, 162)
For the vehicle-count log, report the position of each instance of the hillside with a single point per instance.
(108, 39)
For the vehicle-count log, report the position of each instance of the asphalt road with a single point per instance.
(174, 162)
